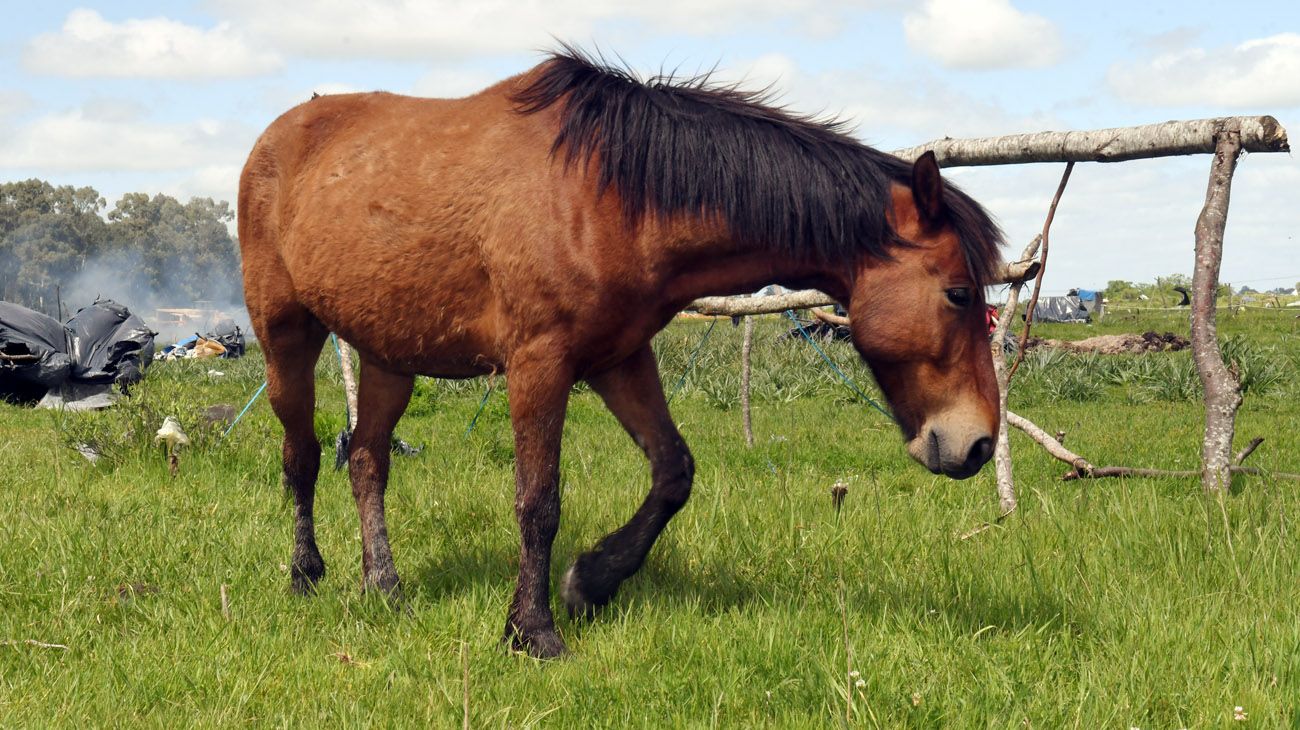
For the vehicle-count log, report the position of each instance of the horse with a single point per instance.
(547, 228)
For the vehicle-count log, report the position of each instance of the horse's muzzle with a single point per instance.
(951, 454)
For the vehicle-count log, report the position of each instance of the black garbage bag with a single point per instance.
(33, 353)
(108, 344)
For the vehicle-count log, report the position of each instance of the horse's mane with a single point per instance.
(674, 145)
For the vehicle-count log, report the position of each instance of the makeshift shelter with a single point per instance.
(101, 346)
(1080, 305)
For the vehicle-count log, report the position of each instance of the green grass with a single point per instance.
(1116, 603)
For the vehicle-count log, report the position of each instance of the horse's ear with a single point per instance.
(927, 189)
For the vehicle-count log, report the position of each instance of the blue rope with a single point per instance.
(690, 363)
(241, 413)
(481, 405)
(848, 381)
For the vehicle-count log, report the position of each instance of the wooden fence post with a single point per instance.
(349, 382)
(1222, 391)
(746, 345)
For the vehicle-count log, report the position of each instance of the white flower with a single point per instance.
(860, 683)
(1239, 713)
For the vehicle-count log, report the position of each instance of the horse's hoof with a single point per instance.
(386, 584)
(579, 598)
(305, 574)
(545, 644)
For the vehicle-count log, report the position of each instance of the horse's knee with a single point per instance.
(538, 511)
(673, 475)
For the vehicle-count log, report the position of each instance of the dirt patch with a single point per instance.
(1116, 344)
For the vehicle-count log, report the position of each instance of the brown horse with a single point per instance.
(548, 227)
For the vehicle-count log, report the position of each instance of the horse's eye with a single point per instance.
(959, 296)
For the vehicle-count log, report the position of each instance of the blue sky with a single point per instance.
(168, 97)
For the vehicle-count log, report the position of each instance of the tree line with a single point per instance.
(63, 242)
(1165, 290)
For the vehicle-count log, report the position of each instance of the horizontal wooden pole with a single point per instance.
(1016, 271)
(738, 306)
(1167, 139)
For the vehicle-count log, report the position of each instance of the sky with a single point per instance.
(169, 96)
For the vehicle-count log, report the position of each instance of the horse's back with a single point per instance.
(371, 211)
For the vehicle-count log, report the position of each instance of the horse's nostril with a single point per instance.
(980, 452)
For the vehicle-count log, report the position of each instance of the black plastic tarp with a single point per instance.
(108, 344)
(103, 344)
(34, 350)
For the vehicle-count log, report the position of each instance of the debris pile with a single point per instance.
(1116, 344)
(226, 340)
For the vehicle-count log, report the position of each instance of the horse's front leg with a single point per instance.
(539, 393)
(635, 396)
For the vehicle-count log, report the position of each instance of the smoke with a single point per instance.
(210, 294)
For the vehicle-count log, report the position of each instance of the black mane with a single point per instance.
(688, 146)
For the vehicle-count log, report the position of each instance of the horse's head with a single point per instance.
(918, 320)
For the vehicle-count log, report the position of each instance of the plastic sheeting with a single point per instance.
(108, 344)
(35, 351)
(103, 344)
(1061, 309)
(231, 337)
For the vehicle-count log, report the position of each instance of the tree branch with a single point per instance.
(1258, 134)
(1052, 445)
(1042, 269)
(1222, 390)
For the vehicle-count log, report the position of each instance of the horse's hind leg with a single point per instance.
(382, 399)
(632, 391)
(291, 343)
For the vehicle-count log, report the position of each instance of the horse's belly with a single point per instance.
(420, 308)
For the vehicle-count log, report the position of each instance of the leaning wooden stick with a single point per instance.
(1084, 469)
(1042, 269)
(1002, 450)
(1246, 452)
(1052, 445)
(349, 382)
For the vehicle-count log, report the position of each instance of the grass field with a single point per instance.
(1117, 603)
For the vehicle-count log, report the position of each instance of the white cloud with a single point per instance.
(106, 136)
(405, 29)
(424, 29)
(217, 181)
(13, 103)
(88, 45)
(982, 34)
(1264, 72)
(887, 112)
(452, 83)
